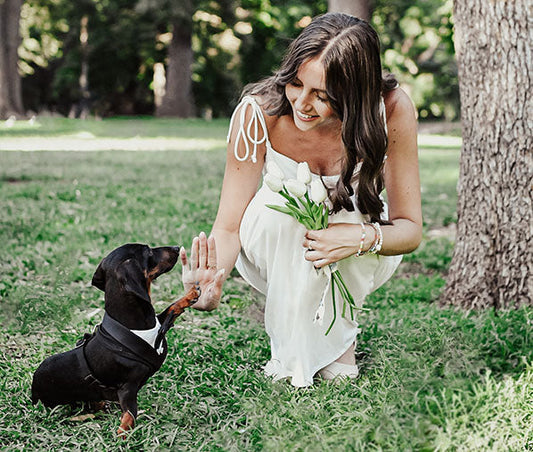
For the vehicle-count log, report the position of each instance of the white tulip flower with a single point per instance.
(318, 191)
(302, 173)
(274, 183)
(273, 168)
(296, 187)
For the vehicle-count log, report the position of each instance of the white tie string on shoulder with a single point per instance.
(245, 131)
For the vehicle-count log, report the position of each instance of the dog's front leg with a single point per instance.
(178, 307)
(167, 317)
(127, 397)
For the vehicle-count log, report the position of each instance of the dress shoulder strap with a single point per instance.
(248, 133)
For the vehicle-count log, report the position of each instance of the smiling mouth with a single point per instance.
(305, 117)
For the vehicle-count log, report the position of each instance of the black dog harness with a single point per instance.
(118, 339)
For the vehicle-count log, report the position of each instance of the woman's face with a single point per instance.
(307, 96)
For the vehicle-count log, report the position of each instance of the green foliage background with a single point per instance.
(235, 42)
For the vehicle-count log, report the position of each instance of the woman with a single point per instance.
(329, 106)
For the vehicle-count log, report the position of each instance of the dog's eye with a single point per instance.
(151, 259)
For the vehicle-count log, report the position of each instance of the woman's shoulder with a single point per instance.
(398, 105)
(260, 104)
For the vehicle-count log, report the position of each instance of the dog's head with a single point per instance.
(130, 269)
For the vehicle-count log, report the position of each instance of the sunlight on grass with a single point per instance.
(439, 141)
(85, 141)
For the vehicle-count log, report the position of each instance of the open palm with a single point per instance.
(202, 269)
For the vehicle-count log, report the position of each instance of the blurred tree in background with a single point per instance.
(417, 46)
(121, 57)
(10, 93)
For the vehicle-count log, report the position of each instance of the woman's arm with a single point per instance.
(241, 180)
(403, 195)
(402, 180)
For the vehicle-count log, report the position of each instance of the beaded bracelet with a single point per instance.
(378, 243)
(362, 243)
(372, 248)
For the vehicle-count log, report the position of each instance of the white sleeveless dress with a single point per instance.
(272, 261)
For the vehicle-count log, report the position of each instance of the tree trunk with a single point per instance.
(493, 257)
(84, 73)
(10, 86)
(358, 8)
(178, 98)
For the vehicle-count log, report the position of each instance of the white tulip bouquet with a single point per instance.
(305, 201)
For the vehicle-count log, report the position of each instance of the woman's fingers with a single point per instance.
(202, 244)
(313, 234)
(211, 253)
(183, 257)
(317, 258)
(194, 253)
(312, 255)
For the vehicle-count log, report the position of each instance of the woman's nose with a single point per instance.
(302, 101)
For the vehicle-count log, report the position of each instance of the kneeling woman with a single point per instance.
(328, 105)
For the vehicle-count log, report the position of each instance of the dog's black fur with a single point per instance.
(117, 374)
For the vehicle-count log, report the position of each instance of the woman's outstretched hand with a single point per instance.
(202, 269)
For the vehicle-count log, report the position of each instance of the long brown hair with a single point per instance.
(349, 50)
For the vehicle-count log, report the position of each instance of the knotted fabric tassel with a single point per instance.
(245, 131)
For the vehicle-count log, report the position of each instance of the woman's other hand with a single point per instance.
(202, 269)
(337, 241)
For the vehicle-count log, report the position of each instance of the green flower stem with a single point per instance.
(324, 216)
(346, 295)
(283, 192)
(334, 309)
(308, 205)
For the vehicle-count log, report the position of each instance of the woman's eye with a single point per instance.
(321, 99)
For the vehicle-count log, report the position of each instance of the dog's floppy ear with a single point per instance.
(133, 280)
(98, 280)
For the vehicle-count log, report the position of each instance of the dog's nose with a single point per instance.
(176, 248)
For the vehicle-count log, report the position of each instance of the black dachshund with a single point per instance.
(128, 347)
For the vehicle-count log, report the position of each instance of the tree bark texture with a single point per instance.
(493, 257)
(178, 98)
(10, 85)
(358, 8)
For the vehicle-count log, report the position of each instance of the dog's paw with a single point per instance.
(127, 422)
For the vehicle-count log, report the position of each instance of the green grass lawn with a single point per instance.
(432, 378)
